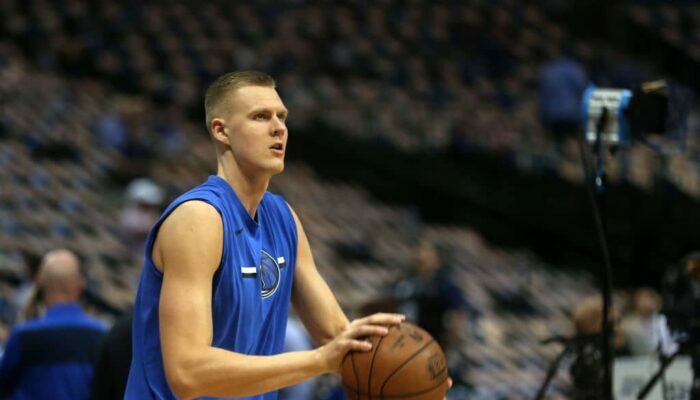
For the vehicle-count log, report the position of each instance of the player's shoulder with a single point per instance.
(193, 229)
(192, 213)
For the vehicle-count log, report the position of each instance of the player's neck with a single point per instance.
(249, 189)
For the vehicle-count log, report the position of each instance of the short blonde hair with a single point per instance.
(217, 91)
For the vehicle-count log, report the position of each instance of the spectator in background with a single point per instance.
(561, 85)
(52, 357)
(144, 199)
(642, 327)
(434, 302)
(168, 128)
(26, 292)
(681, 299)
(111, 130)
(587, 367)
(128, 130)
(112, 367)
(429, 296)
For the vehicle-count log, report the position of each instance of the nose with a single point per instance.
(279, 128)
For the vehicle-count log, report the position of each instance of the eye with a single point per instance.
(282, 117)
(261, 117)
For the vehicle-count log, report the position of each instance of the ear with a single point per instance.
(219, 131)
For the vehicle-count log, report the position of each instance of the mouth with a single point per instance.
(277, 148)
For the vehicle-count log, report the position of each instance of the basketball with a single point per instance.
(405, 364)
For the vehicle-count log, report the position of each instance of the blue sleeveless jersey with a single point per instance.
(251, 288)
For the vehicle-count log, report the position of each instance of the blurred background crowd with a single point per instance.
(433, 157)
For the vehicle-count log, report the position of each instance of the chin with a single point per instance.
(278, 168)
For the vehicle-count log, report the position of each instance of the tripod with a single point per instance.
(596, 197)
(570, 345)
(552, 370)
(665, 362)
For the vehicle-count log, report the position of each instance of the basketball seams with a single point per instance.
(357, 376)
(411, 357)
(371, 367)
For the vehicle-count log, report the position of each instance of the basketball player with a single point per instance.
(222, 264)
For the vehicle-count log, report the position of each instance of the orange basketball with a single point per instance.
(406, 364)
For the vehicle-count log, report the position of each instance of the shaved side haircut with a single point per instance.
(217, 92)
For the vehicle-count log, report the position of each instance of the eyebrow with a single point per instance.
(268, 109)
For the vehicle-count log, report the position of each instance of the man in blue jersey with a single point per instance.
(52, 357)
(223, 264)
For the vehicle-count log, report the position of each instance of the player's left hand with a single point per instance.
(333, 352)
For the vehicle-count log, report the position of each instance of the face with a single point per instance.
(255, 129)
(427, 260)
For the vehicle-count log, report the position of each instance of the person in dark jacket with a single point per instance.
(112, 369)
(52, 357)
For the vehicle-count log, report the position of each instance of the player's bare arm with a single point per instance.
(188, 251)
(321, 314)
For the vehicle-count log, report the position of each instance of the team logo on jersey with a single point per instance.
(270, 274)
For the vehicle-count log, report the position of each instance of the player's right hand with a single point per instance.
(351, 338)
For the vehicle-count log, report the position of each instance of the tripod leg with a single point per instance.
(551, 372)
